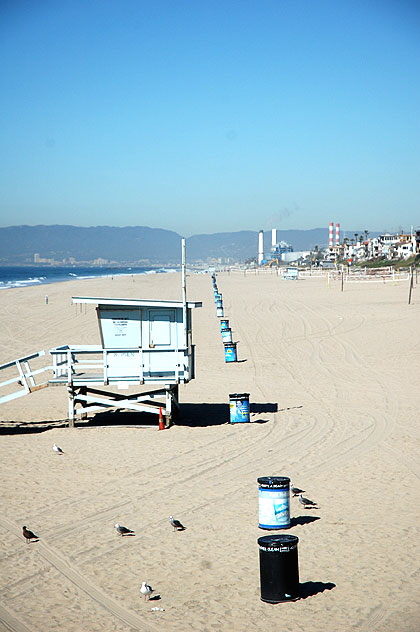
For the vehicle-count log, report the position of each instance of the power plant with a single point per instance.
(284, 252)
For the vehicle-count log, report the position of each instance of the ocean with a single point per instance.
(16, 276)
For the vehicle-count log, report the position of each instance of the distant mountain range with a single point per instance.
(139, 244)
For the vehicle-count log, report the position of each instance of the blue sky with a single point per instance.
(210, 116)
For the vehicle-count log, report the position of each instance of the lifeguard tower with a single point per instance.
(145, 343)
(291, 273)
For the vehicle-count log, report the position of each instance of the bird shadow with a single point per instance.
(154, 598)
(310, 589)
(302, 520)
(128, 535)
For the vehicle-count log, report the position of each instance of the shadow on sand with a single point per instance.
(200, 415)
(310, 589)
(302, 520)
(191, 415)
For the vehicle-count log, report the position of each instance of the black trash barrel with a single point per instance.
(279, 570)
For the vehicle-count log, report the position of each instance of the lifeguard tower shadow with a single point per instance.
(216, 414)
(115, 418)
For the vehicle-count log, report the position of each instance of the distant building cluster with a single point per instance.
(361, 247)
(388, 246)
(71, 261)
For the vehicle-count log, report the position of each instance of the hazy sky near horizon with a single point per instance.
(206, 116)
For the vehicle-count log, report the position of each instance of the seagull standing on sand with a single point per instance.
(176, 524)
(57, 449)
(306, 502)
(28, 535)
(295, 490)
(146, 590)
(122, 530)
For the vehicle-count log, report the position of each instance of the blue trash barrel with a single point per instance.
(230, 351)
(224, 324)
(219, 302)
(239, 407)
(274, 502)
(219, 312)
(227, 335)
(279, 568)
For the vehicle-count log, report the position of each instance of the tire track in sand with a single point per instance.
(75, 576)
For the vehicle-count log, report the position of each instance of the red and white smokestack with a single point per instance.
(337, 234)
(330, 235)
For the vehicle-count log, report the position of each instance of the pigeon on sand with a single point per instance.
(122, 530)
(306, 502)
(296, 490)
(57, 449)
(177, 525)
(28, 535)
(146, 590)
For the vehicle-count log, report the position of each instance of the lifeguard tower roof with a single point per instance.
(132, 302)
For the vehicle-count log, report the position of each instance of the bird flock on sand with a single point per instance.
(145, 589)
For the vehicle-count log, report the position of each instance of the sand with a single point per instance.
(333, 381)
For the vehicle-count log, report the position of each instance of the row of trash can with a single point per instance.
(226, 332)
(278, 554)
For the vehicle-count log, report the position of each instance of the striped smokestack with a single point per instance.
(331, 235)
(337, 234)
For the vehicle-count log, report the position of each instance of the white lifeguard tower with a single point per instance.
(291, 273)
(143, 343)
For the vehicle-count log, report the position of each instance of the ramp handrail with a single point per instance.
(25, 377)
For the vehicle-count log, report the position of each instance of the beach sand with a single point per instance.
(333, 381)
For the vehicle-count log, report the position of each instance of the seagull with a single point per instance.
(176, 524)
(29, 535)
(295, 490)
(122, 530)
(146, 590)
(57, 449)
(306, 502)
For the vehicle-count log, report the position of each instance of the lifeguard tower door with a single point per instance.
(160, 333)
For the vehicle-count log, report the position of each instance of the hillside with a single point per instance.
(131, 244)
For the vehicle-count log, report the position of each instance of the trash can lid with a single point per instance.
(239, 395)
(274, 481)
(275, 541)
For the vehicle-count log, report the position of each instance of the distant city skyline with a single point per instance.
(211, 117)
